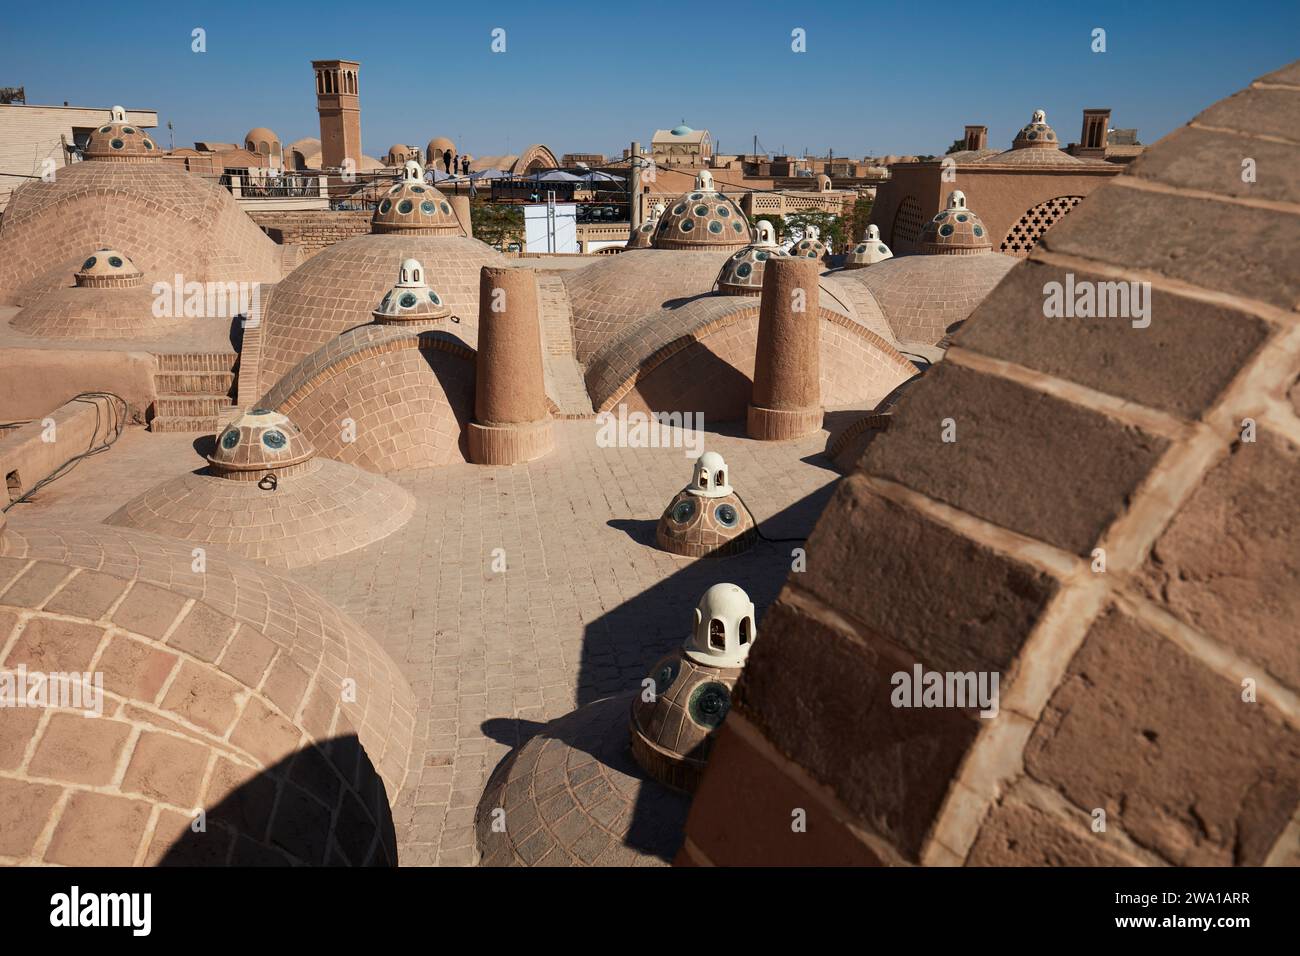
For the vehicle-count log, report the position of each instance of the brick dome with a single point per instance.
(408, 391)
(643, 236)
(266, 496)
(810, 248)
(1114, 532)
(108, 301)
(867, 252)
(120, 142)
(261, 140)
(742, 273)
(706, 518)
(702, 218)
(1035, 145)
(219, 689)
(611, 294)
(436, 147)
(574, 796)
(339, 288)
(168, 221)
(259, 441)
(672, 726)
(1036, 134)
(414, 207)
(107, 269)
(410, 300)
(924, 297)
(955, 231)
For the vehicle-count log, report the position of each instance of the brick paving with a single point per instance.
(584, 607)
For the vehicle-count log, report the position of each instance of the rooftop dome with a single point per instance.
(267, 496)
(869, 251)
(1035, 145)
(412, 206)
(411, 300)
(258, 136)
(287, 768)
(955, 231)
(171, 221)
(673, 726)
(742, 273)
(703, 218)
(338, 289)
(107, 268)
(109, 300)
(643, 236)
(1036, 134)
(809, 247)
(119, 141)
(682, 130)
(706, 518)
(436, 147)
(257, 442)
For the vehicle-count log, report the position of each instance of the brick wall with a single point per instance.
(312, 229)
(1113, 532)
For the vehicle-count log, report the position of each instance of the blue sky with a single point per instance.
(580, 77)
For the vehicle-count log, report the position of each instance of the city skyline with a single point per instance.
(742, 80)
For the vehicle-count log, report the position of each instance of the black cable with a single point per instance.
(757, 529)
(117, 426)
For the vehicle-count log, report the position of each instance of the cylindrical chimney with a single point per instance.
(787, 365)
(460, 206)
(512, 421)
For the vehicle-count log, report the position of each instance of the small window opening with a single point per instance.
(717, 635)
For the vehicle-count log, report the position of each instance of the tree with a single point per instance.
(957, 146)
(830, 227)
(497, 224)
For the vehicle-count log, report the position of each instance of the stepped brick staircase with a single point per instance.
(194, 391)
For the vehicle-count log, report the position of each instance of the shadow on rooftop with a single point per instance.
(322, 805)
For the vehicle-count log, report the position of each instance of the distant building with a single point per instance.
(1020, 192)
(681, 146)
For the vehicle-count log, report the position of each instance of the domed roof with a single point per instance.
(673, 726)
(682, 130)
(259, 441)
(742, 273)
(809, 247)
(1035, 145)
(176, 729)
(259, 134)
(411, 300)
(119, 141)
(924, 297)
(643, 236)
(869, 251)
(171, 221)
(440, 144)
(1036, 134)
(955, 231)
(309, 510)
(107, 268)
(707, 517)
(338, 289)
(702, 218)
(414, 206)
